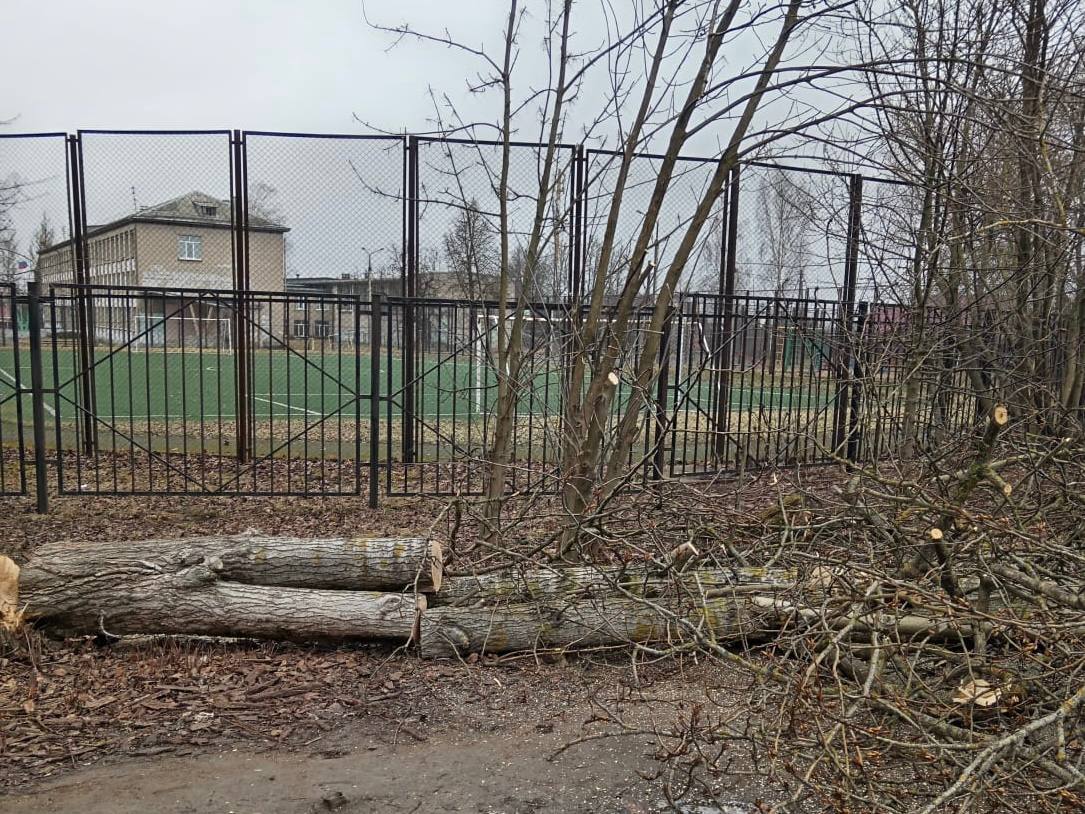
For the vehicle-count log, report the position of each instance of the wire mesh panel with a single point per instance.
(791, 232)
(688, 186)
(158, 210)
(459, 251)
(35, 242)
(34, 195)
(887, 243)
(340, 198)
(163, 415)
(13, 404)
(450, 348)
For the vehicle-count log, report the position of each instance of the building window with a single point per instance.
(301, 329)
(190, 247)
(301, 305)
(322, 328)
(206, 210)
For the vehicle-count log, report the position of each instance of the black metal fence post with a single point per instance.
(410, 291)
(84, 301)
(376, 307)
(847, 309)
(239, 217)
(578, 206)
(662, 386)
(855, 423)
(724, 349)
(37, 395)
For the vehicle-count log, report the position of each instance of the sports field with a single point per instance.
(167, 385)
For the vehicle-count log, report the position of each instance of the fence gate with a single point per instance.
(208, 392)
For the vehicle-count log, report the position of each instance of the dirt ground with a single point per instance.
(160, 725)
(197, 726)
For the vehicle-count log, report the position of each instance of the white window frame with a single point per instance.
(322, 329)
(303, 324)
(185, 244)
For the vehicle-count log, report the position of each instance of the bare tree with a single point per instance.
(44, 238)
(469, 251)
(11, 195)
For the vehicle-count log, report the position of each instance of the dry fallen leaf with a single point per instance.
(98, 703)
(979, 692)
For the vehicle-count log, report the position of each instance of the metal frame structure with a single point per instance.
(693, 422)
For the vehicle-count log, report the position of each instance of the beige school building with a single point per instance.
(183, 246)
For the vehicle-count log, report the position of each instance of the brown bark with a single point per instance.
(594, 622)
(188, 595)
(548, 584)
(340, 563)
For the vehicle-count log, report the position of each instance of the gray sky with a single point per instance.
(258, 64)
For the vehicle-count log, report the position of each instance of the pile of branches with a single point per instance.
(929, 654)
(932, 657)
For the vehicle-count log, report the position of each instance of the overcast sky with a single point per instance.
(258, 64)
(253, 64)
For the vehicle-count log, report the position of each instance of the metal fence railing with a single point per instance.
(204, 391)
(207, 317)
(12, 441)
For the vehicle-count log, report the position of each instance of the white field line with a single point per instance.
(7, 375)
(287, 406)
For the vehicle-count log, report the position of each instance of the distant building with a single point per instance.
(321, 317)
(183, 243)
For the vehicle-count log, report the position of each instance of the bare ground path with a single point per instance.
(471, 752)
(509, 771)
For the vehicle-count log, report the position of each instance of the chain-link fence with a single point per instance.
(35, 237)
(254, 312)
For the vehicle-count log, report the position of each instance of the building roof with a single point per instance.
(191, 209)
(197, 209)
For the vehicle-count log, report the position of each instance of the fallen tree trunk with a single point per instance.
(180, 596)
(534, 584)
(599, 621)
(337, 563)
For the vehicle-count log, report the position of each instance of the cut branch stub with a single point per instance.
(9, 594)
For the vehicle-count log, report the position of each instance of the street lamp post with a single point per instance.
(369, 268)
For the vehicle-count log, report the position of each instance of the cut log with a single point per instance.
(523, 585)
(176, 596)
(9, 594)
(599, 621)
(337, 563)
